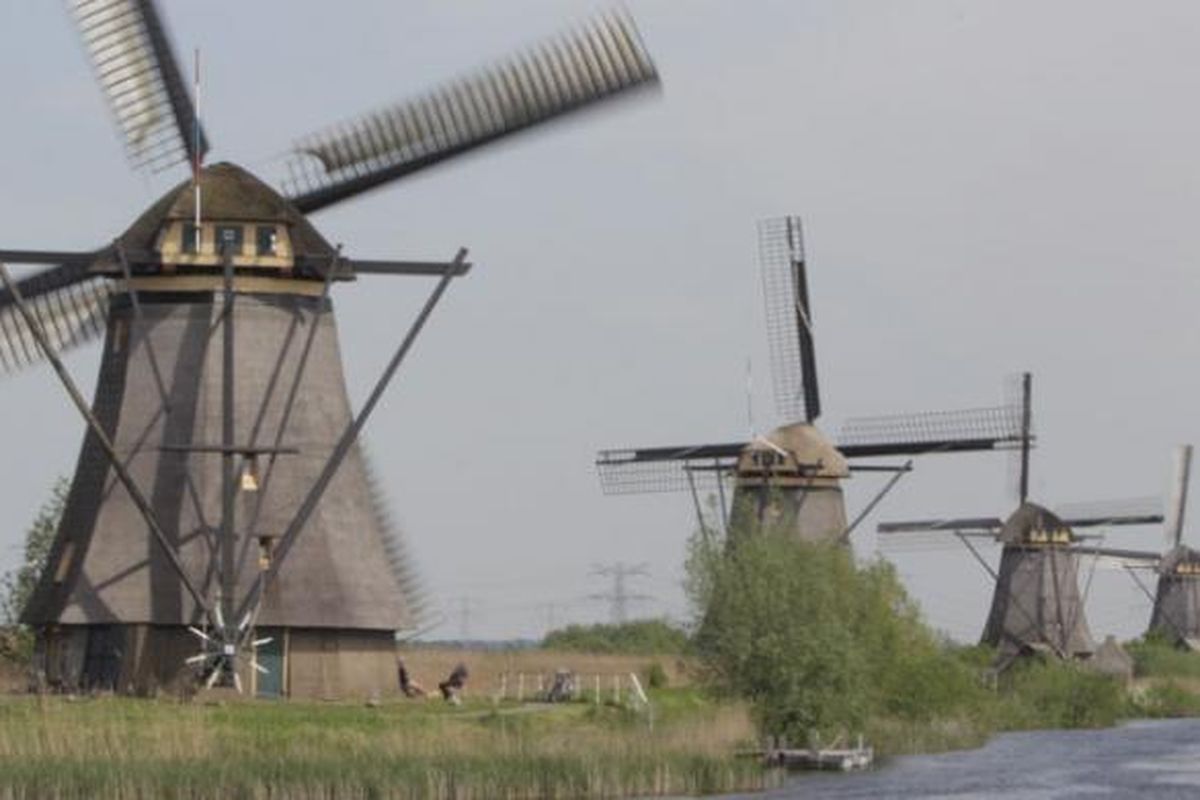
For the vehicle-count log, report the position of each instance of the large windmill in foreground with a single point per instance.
(221, 514)
(1037, 605)
(792, 476)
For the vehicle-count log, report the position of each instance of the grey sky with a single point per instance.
(986, 187)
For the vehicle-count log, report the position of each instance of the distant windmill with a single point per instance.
(792, 476)
(1037, 605)
(1176, 599)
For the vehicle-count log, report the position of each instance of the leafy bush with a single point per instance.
(639, 637)
(1167, 699)
(1154, 657)
(815, 642)
(16, 586)
(1053, 694)
(656, 676)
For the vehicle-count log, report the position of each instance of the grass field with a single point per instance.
(129, 748)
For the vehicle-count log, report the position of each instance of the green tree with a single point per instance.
(814, 641)
(16, 586)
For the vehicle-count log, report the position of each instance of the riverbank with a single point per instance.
(124, 747)
(1044, 695)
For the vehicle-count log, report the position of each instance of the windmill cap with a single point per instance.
(228, 192)
(804, 446)
(1180, 556)
(1034, 523)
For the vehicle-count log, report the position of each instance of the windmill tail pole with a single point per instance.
(342, 449)
(900, 473)
(106, 444)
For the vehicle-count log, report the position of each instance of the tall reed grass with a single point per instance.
(123, 748)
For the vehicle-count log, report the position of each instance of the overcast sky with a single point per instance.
(986, 187)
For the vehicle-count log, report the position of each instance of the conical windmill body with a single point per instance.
(791, 478)
(1037, 604)
(221, 502)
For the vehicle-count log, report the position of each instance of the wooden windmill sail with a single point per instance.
(1037, 605)
(222, 514)
(792, 477)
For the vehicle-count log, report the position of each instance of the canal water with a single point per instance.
(1145, 760)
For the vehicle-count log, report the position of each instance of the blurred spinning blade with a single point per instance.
(600, 59)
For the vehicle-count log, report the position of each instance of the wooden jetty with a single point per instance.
(835, 758)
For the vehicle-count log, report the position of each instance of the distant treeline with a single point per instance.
(631, 638)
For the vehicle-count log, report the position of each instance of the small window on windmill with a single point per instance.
(191, 239)
(266, 240)
(229, 239)
(64, 562)
(266, 549)
(766, 459)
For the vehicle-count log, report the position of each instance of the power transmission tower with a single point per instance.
(619, 597)
(465, 609)
(549, 615)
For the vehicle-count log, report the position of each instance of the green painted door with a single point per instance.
(270, 658)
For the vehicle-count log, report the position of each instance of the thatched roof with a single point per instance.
(228, 192)
(345, 570)
(1037, 602)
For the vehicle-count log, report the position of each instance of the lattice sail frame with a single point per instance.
(627, 471)
(136, 69)
(1094, 514)
(602, 57)
(1000, 423)
(70, 315)
(789, 318)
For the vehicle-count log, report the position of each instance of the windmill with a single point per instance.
(1176, 598)
(222, 514)
(792, 476)
(1037, 605)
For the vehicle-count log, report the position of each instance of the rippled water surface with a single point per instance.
(1139, 759)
